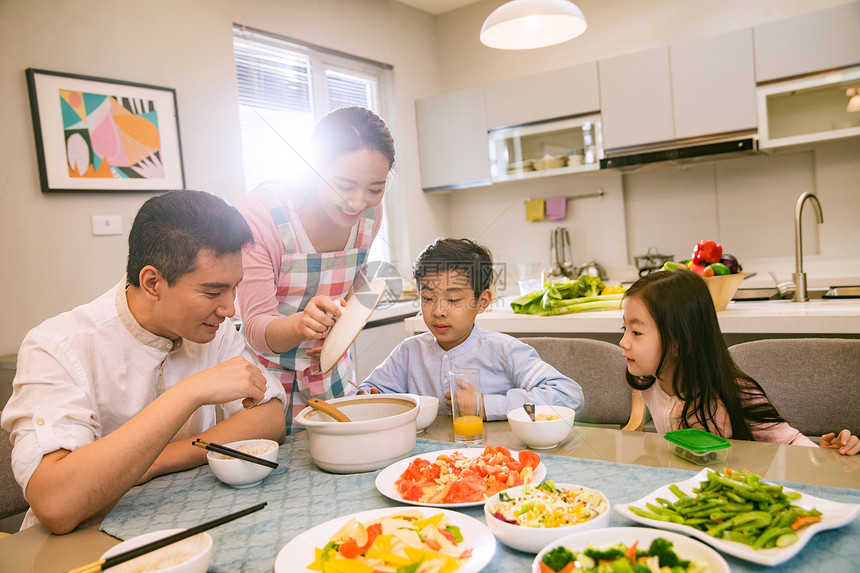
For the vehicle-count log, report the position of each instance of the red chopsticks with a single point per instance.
(224, 450)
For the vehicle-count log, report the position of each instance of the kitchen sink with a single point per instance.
(815, 293)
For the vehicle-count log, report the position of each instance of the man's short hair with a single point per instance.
(170, 230)
(463, 256)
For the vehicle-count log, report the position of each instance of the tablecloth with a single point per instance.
(300, 496)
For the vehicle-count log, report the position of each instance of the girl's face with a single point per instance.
(641, 340)
(354, 183)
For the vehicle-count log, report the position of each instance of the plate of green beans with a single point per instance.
(738, 513)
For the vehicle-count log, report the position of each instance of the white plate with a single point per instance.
(685, 547)
(386, 478)
(296, 555)
(353, 317)
(833, 515)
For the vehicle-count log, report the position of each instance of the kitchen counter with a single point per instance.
(746, 319)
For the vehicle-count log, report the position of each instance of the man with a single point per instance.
(111, 394)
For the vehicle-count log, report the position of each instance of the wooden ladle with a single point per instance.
(327, 408)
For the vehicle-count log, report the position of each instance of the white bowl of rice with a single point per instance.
(189, 555)
(239, 473)
(552, 426)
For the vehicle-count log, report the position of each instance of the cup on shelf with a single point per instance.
(467, 405)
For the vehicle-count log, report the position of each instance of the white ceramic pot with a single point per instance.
(381, 431)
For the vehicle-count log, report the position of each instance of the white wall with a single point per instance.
(50, 261)
(654, 207)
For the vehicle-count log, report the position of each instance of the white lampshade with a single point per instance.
(527, 24)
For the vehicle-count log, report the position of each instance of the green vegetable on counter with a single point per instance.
(564, 297)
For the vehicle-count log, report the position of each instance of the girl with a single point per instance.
(677, 357)
(311, 239)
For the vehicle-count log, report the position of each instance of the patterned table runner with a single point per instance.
(300, 496)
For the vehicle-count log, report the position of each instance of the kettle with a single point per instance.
(591, 269)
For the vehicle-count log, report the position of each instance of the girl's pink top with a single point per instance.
(666, 412)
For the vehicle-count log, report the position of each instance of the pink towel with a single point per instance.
(556, 208)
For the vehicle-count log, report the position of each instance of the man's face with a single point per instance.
(201, 300)
(449, 306)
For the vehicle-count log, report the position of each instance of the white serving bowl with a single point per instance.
(542, 435)
(427, 412)
(533, 539)
(381, 432)
(198, 550)
(239, 473)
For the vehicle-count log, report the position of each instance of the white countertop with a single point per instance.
(777, 317)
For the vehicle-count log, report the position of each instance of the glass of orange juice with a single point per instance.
(467, 405)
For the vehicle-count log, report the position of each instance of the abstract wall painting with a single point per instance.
(94, 134)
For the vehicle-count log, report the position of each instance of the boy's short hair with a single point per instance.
(463, 256)
(170, 230)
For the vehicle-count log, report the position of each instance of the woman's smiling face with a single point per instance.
(353, 183)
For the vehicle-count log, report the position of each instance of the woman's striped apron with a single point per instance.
(302, 277)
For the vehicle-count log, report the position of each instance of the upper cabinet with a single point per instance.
(808, 43)
(713, 84)
(452, 133)
(699, 87)
(539, 97)
(636, 99)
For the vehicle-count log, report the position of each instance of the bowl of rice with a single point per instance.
(530, 517)
(551, 427)
(189, 555)
(239, 473)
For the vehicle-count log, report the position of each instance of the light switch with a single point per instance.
(107, 225)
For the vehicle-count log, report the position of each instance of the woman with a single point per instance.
(312, 238)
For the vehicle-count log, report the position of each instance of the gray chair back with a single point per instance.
(11, 498)
(598, 367)
(812, 382)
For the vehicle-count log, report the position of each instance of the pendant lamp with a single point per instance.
(527, 24)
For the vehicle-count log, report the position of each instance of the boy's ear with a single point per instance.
(484, 300)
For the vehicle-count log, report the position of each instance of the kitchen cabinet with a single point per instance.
(713, 84)
(699, 87)
(811, 42)
(636, 99)
(452, 136)
(539, 97)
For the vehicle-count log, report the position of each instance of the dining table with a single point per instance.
(624, 465)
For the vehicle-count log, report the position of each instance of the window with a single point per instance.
(285, 88)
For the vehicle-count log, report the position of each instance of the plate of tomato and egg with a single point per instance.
(462, 477)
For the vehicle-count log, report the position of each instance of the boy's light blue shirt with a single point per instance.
(512, 373)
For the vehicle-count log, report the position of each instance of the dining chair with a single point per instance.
(12, 499)
(812, 382)
(598, 367)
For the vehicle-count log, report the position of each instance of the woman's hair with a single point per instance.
(682, 308)
(462, 256)
(170, 230)
(350, 129)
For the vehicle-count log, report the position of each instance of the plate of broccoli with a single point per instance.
(628, 550)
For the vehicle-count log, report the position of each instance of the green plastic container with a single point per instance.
(698, 446)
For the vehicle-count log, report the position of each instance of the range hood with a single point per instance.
(684, 151)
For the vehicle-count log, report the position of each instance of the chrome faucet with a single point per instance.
(799, 276)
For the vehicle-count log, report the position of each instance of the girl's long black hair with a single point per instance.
(680, 304)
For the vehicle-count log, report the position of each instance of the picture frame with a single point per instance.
(97, 134)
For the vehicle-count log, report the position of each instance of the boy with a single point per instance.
(454, 277)
(110, 394)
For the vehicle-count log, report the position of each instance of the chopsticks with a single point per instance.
(224, 450)
(103, 564)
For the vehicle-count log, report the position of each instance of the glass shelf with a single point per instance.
(555, 147)
(809, 109)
